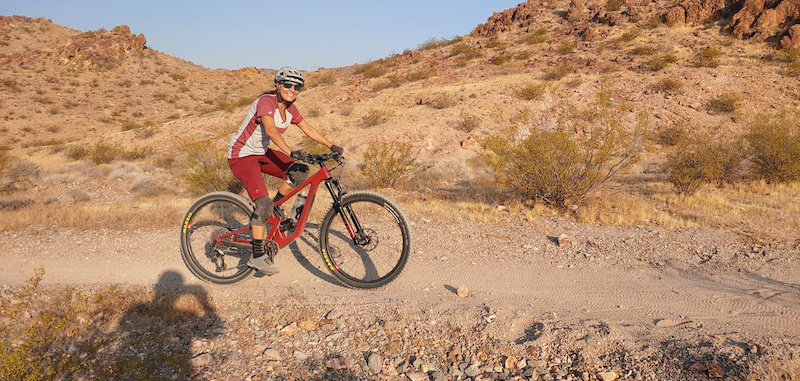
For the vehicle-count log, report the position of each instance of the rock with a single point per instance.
(462, 292)
(290, 329)
(338, 362)
(607, 376)
(510, 363)
(438, 376)
(472, 371)
(375, 363)
(202, 360)
(714, 370)
(333, 314)
(417, 376)
(563, 240)
(300, 355)
(272, 354)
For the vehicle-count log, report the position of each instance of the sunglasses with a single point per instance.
(289, 85)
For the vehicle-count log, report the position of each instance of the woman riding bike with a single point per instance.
(249, 155)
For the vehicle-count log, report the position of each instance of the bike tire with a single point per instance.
(386, 248)
(209, 217)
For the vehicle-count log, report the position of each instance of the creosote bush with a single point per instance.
(539, 36)
(561, 167)
(531, 91)
(374, 117)
(467, 122)
(724, 103)
(206, 169)
(774, 147)
(707, 57)
(386, 164)
(700, 159)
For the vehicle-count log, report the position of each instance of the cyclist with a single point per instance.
(249, 154)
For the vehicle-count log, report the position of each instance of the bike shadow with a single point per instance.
(310, 239)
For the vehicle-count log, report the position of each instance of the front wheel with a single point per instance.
(366, 242)
(215, 215)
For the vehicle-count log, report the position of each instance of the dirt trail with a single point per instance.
(518, 284)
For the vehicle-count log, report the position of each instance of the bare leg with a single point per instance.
(259, 232)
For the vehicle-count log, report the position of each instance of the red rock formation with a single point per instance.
(101, 49)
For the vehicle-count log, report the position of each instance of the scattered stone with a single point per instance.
(714, 370)
(202, 360)
(272, 354)
(290, 329)
(417, 376)
(563, 240)
(472, 371)
(462, 292)
(333, 314)
(375, 363)
(300, 355)
(338, 362)
(607, 376)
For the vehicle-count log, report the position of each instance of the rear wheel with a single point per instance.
(212, 216)
(369, 245)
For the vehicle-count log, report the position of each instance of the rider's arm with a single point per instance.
(274, 135)
(312, 133)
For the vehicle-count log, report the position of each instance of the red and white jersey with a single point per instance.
(251, 138)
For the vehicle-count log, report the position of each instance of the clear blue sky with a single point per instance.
(307, 34)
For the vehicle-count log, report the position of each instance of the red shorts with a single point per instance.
(248, 169)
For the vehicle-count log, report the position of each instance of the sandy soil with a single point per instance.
(649, 284)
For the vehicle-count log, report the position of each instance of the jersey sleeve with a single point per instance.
(296, 117)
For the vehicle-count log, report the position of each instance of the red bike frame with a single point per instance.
(274, 232)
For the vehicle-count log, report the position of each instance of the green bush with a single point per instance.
(467, 122)
(539, 36)
(531, 91)
(372, 69)
(557, 72)
(661, 61)
(433, 43)
(384, 165)
(374, 117)
(76, 152)
(206, 169)
(707, 57)
(104, 153)
(465, 51)
(724, 103)
(774, 147)
(561, 168)
(701, 159)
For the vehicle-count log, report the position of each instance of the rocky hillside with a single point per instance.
(657, 65)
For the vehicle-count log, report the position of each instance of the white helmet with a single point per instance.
(288, 73)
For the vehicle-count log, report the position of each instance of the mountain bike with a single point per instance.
(364, 237)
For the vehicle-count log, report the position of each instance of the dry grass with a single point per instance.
(157, 213)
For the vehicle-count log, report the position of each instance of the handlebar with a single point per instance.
(320, 159)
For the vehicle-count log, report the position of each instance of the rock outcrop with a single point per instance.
(101, 49)
(519, 17)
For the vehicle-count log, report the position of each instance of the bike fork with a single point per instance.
(346, 213)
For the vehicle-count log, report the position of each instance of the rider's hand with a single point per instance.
(300, 154)
(337, 150)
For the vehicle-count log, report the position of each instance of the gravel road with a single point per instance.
(477, 300)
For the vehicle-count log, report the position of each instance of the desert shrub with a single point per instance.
(566, 48)
(76, 152)
(661, 61)
(671, 135)
(701, 159)
(147, 187)
(321, 78)
(313, 112)
(374, 117)
(206, 169)
(467, 122)
(442, 101)
(465, 51)
(707, 57)
(774, 147)
(433, 43)
(145, 82)
(667, 85)
(501, 58)
(560, 168)
(177, 77)
(42, 99)
(539, 36)
(725, 103)
(644, 51)
(130, 125)
(557, 72)
(392, 80)
(614, 5)
(386, 164)
(530, 91)
(104, 153)
(372, 69)
(630, 34)
(10, 85)
(419, 75)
